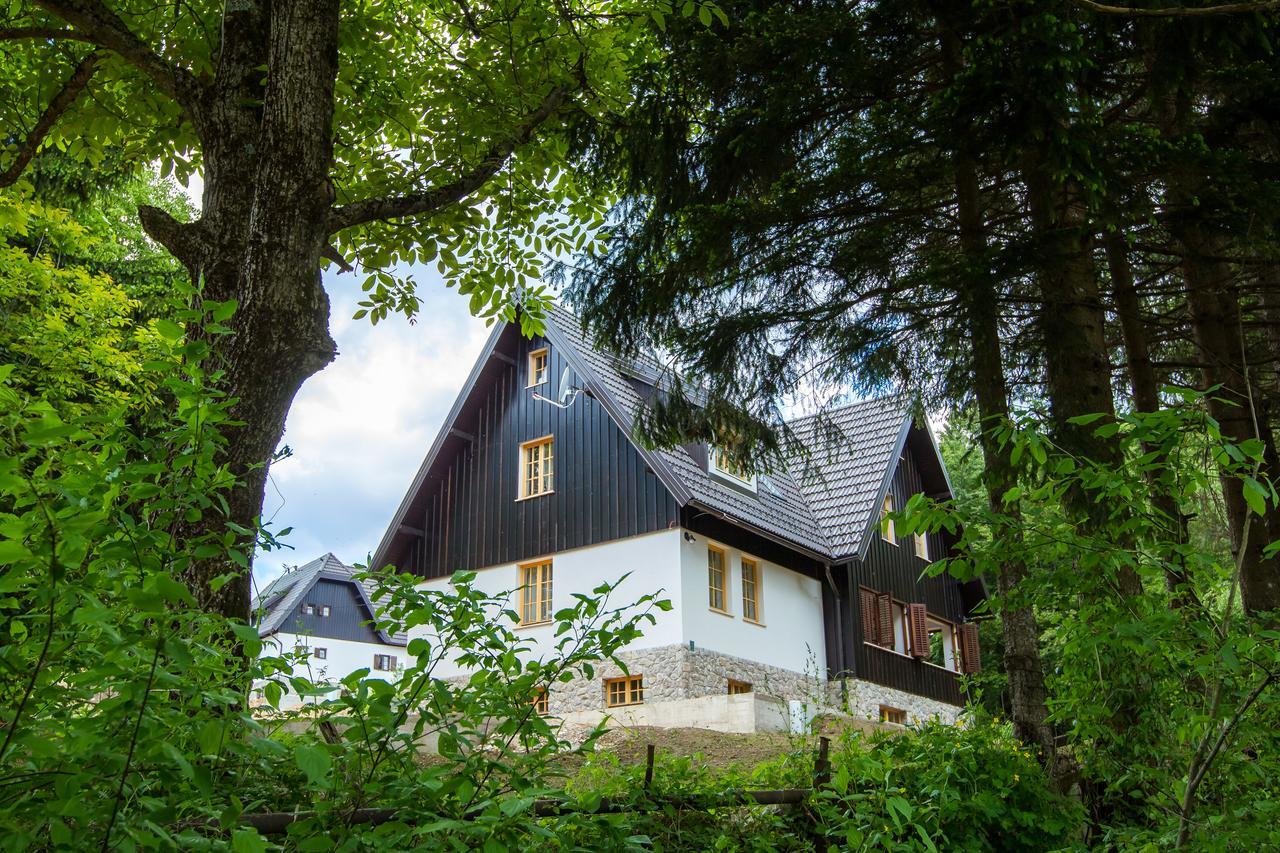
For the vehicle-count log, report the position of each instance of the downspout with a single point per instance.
(840, 655)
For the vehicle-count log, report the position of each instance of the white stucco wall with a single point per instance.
(653, 561)
(791, 633)
(343, 657)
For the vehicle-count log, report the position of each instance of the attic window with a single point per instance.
(538, 366)
(722, 467)
(886, 522)
(536, 467)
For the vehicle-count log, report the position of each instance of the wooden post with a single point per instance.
(648, 767)
(822, 770)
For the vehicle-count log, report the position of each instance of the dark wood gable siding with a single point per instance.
(603, 489)
(896, 569)
(346, 620)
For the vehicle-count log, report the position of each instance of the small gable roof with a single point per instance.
(278, 599)
(823, 504)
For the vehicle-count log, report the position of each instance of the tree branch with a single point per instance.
(44, 33)
(1182, 11)
(106, 29)
(61, 102)
(429, 201)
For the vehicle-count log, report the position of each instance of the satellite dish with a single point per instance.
(565, 388)
(566, 394)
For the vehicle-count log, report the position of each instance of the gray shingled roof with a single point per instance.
(278, 599)
(778, 507)
(852, 451)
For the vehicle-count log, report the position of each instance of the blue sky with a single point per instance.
(360, 428)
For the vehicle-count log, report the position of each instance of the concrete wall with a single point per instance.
(744, 713)
(653, 563)
(790, 634)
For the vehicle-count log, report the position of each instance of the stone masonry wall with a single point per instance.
(678, 672)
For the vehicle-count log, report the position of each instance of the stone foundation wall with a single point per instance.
(862, 699)
(678, 672)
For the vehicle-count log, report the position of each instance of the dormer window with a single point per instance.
(722, 467)
(538, 360)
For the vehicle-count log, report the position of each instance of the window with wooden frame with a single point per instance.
(537, 467)
(538, 361)
(628, 690)
(541, 701)
(308, 610)
(751, 590)
(889, 714)
(886, 521)
(325, 610)
(738, 687)
(922, 545)
(724, 467)
(320, 653)
(877, 617)
(716, 560)
(384, 663)
(535, 593)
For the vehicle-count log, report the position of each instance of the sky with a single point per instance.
(359, 429)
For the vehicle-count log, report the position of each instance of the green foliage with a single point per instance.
(1142, 686)
(68, 331)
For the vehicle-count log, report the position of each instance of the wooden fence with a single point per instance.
(277, 823)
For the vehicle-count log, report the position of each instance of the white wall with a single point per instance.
(652, 559)
(343, 657)
(791, 633)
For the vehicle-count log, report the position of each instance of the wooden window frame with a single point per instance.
(724, 581)
(757, 584)
(737, 688)
(532, 380)
(545, 582)
(320, 653)
(379, 659)
(541, 701)
(887, 531)
(547, 441)
(892, 715)
(324, 611)
(308, 609)
(632, 687)
(922, 546)
(728, 473)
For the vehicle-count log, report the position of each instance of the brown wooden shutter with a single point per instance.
(970, 655)
(870, 623)
(884, 613)
(918, 623)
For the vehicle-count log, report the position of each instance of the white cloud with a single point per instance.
(358, 430)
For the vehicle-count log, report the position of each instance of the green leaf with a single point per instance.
(169, 330)
(314, 761)
(248, 840)
(1255, 496)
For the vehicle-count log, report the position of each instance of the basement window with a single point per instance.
(737, 688)
(628, 690)
(889, 714)
(541, 701)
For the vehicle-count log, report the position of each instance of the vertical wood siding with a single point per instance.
(346, 620)
(896, 569)
(603, 490)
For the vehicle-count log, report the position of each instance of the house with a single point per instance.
(321, 609)
(790, 584)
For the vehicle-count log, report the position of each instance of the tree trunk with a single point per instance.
(264, 224)
(1146, 398)
(1028, 696)
(1215, 320)
(1077, 367)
